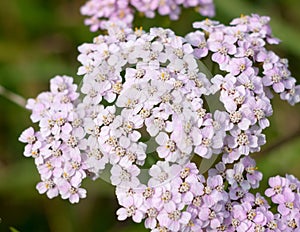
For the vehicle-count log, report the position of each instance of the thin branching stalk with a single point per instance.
(15, 98)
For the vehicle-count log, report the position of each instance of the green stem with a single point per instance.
(15, 98)
(278, 144)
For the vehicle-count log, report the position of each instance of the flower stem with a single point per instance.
(15, 98)
(278, 144)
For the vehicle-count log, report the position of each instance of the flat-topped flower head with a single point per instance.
(148, 105)
(151, 99)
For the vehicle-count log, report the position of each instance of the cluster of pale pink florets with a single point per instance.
(101, 11)
(148, 107)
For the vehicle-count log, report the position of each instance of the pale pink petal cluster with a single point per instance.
(101, 11)
(148, 105)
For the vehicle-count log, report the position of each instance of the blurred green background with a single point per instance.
(39, 39)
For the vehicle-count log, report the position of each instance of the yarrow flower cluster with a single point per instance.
(220, 202)
(249, 73)
(101, 11)
(145, 112)
(58, 145)
(142, 99)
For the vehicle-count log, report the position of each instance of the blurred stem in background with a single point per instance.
(15, 98)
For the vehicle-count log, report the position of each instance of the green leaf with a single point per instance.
(207, 163)
(12, 229)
